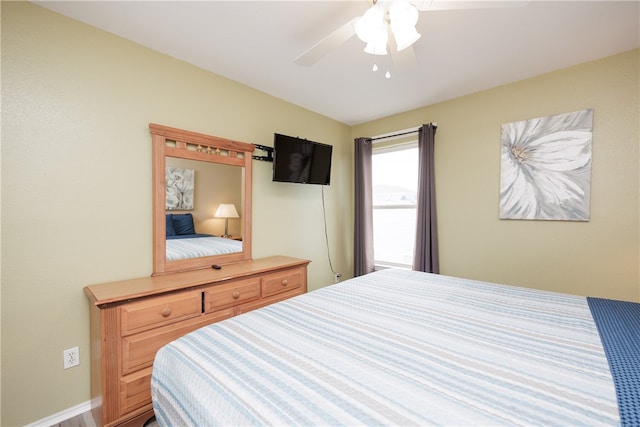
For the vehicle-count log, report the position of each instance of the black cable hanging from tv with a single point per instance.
(337, 276)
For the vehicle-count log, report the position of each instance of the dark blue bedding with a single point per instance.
(618, 323)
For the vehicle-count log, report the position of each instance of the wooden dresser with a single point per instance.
(132, 319)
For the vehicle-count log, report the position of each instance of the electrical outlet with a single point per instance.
(338, 276)
(71, 357)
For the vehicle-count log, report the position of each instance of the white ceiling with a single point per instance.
(460, 52)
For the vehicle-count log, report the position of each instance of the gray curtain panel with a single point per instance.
(363, 224)
(425, 256)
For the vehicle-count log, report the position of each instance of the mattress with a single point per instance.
(178, 249)
(394, 347)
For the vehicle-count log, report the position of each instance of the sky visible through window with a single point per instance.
(395, 186)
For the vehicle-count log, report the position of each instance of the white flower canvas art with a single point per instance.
(545, 169)
(180, 186)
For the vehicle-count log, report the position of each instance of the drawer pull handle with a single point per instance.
(166, 312)
(285, 282)
(236, 295)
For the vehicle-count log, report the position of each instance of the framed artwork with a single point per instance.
(180, 186)
(545, 171)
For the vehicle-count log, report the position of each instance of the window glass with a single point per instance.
(395, 189)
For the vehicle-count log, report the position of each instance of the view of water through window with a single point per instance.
(395, 188)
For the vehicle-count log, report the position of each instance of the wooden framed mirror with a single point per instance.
(193, 174)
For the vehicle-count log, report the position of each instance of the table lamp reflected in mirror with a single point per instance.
(226, 211)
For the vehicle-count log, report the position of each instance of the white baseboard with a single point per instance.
(63, 415)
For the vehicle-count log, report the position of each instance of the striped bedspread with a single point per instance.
(393, 347)
(202, 246)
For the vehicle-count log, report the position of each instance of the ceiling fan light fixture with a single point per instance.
(403, 17)
(370, 23)
(403, 13)
(373, 26)
(405, 36)
(375, 49)
(377, 44)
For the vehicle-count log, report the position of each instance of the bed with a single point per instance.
(182, 241)
(398, 347)
(199, 245)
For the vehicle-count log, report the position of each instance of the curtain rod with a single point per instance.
(401, 133)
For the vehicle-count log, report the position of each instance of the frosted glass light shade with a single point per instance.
(403, 17)
(403, 13)
(368, 25)
(398, 15)
(405, 36)
(377, 45)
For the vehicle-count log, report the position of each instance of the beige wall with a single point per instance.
(76, 187)
(76, 179)
(596, 258)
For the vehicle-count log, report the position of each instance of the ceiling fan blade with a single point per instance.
(403, 61)
(429, 5)
(327, 44)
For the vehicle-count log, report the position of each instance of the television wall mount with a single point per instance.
(268, 150)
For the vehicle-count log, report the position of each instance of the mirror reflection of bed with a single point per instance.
(200, 231)
(183, 242)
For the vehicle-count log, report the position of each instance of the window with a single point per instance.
(395, 194)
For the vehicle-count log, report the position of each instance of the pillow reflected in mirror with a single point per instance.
(183, 224)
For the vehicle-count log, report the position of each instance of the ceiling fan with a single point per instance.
(389, 23)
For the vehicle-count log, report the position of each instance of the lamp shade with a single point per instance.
(226, 210)
(403, 17)
(404, 36)
(377, 45)
(401, 12)
(369, 24)
(400, 16)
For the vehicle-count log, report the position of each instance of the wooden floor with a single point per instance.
(82, 420)
(86, 420)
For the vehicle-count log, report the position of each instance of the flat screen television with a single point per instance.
(300, 160)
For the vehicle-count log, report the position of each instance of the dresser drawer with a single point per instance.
(135, 391)
(159, 311)
(268, 301)
(139, 350)
(284, 281)
(231, 294)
